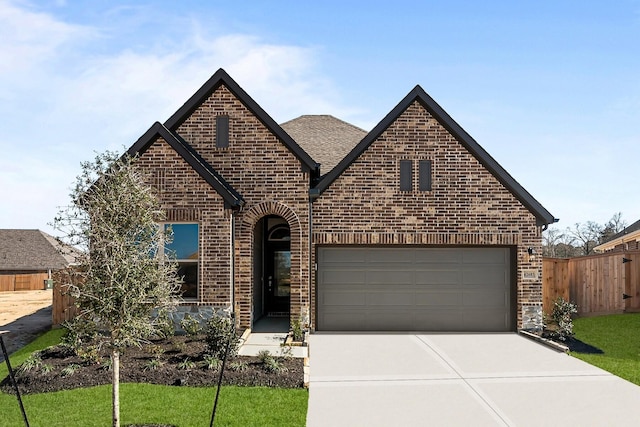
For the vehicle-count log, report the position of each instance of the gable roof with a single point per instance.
(629, 233)
(326, 138)
(221, 77)
(232, 198)
(32, 250)
(418, 94)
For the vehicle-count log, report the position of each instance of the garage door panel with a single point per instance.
(439, 257)
(397, 255)
(342, 256)
(390, 298)
(488, 298)
(436, 277)
(484, 321)
(344, 298)
(343, 277)
(438, 320)
(417, 289)
(437, 299)
(389, 277)
(470, 256)
(484, 276)
(344, 321)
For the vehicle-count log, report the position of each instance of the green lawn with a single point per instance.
(146, 403)
(618, 336)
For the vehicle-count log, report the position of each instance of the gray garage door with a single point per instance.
(414, 289)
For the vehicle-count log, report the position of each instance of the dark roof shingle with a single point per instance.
(30, 250)
(325, 138)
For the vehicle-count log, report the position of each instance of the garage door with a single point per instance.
(414, 289)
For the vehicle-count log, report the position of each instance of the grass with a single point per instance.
(618, 336)
(148, 403)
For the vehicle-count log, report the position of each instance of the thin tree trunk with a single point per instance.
(115, 359)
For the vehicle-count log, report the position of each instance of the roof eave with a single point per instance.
(231, 197)
(543, 217)
(221, 77)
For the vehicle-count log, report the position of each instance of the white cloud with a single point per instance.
(31, 38)
(67, 101)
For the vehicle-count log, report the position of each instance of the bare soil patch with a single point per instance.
(178, 360)
(25, 314)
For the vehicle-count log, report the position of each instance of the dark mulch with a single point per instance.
(572, 343)
(136, 366)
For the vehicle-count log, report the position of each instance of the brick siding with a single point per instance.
(467, 205)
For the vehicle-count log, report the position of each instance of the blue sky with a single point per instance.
(550, 89)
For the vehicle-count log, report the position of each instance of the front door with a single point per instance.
(277, 278)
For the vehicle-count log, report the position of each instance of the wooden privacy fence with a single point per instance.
(598, 284)
(63, 308)
(23, 282)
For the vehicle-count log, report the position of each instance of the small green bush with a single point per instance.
(211, 362)
(186, 364)
(190, 325)
(562, 316)
(34, 361)
(71, 369)
(218, 332)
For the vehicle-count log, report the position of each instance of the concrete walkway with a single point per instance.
(459, 380)
(270, 334)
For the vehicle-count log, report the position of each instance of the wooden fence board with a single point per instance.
(63, 308)
(595, 283)
(22, 282)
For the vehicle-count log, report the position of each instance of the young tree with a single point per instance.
(122, 285)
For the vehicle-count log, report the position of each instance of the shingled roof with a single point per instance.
(30, 250)
(326, 138)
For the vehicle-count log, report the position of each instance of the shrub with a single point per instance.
(211, 362)
(32, 362)
(153, 364)
(218, 332)
(186, 364)
(190, 325)
(562, 316)
(270, 363)
(239, 366)
(297, 330)
(69, 370)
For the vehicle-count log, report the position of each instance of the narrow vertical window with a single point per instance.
(184, 249)
(406, 175)
(222, 131)
(425, 175)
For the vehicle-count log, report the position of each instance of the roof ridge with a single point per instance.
(221, 77)
(418, 94)
(325, 115)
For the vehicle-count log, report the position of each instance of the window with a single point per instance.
(222, 131)
(406, 175)
(424, 175)
(184, 249)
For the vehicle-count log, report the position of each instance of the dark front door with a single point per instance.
(277, 278)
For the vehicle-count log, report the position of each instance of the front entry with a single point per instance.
(272, 268)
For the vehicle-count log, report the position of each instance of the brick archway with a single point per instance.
(245, 258)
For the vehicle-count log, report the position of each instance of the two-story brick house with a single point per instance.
(411, 226)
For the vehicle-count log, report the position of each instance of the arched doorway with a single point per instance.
(271, 268)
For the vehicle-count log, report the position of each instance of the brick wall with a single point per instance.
(467, 205)
(271, 181)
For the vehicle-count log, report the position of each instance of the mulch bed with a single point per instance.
(139, 366)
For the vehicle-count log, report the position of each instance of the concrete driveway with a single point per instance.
(459, 380)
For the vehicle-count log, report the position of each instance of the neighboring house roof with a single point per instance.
(231, 197)
(221, 77)
(326, 138)
(32, 250)
(418, 94)
(629, 234)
